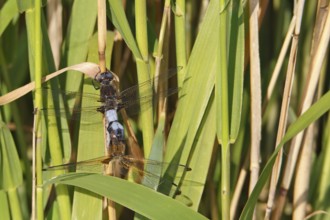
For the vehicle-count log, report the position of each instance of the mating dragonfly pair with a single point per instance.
(133, 99)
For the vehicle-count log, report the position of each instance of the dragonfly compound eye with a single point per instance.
(107, 76)
(104, 77)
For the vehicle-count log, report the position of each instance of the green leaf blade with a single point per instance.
(136, 197)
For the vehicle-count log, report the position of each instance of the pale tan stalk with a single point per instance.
(302, 180)
(34, 172)
(54, 14)
(163, 40)
(102, 33)
(238, 188)
(304, 167)
(309, 92)
(255, 90)
(110, 204)
(282, 125)
(279, 63)
(322, 12)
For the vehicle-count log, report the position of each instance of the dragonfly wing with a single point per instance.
(144, 87)
(152, 170)
(137, 103)
(57, 108)
(138, 98)
(92, 165)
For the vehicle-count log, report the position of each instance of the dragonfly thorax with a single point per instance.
(116, 147)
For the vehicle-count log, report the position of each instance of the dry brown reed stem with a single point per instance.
(261, 12)
(34, 172)
(117, 53)
(283, 118)
(321, 15)
(285, 106)
(54, 14)
(102, 33)
(298, 12)
(255, 90)
(238, 188)
(309, 91)
(111, 205)
(243, 172)
(301, 186)
(302, 179)
(279, 63)
(163, 41)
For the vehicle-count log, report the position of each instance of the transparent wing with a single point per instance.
(57, 107)
(135, 105)
(139, 98)
(136, 166)
(125, 161)
(134, 99)
(93, 165)
(145, 86)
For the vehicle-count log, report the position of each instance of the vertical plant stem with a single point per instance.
(54, 14)
(255, 90)
(163, 39)
(102, 33)
(318, 57)
(280, 133)
(17, 117)
(180, 38)
(225, 180)
(38, 105)
(279, 63)
(293, 154)
(221, 89)
(146, 117)
(15, 205)
(302, 178)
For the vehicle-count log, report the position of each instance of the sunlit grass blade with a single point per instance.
(201, 158)
(90, 139)
(138, 198)
(194, 98)
(157, 152)
(81, 28)
(54, 136)
(118, 18)
(11, 172)
(4, 206)
(236, 68)
(7, 13)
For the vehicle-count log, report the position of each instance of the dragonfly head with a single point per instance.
(104, 78)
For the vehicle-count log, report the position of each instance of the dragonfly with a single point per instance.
(143, 170)
(133, 99)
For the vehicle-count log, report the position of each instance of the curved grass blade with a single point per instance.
(125, 163)
(8, 11)
(11, 172)
(311, 115)
(195, 100)
(138, 198)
